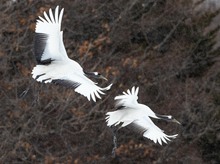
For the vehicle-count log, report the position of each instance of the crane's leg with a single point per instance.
(114, 132)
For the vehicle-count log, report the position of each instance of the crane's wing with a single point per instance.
(83, 86)
(91, 90)
(122, 117)
(65, 74)
(151, 131)
(48, 43)
(128, 99)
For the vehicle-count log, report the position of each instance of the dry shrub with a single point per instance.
(156, 45)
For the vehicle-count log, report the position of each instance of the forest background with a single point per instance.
(169, 48)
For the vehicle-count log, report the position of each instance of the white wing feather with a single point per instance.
(151, 131)
(51, 26)
(124, 116)
(91, 90)
(128, 99)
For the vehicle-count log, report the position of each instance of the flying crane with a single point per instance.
(138, 116)
(53, 64)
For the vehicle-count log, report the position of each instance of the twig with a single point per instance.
(158, 47)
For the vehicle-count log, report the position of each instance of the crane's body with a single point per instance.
(54, 66)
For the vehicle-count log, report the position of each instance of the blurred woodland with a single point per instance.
(163, 46)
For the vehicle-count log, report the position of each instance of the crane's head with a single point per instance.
(96, 75)
(167, 118)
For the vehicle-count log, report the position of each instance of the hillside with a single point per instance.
(161, 46)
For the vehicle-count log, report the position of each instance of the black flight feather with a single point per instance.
(66, 83)
(40, 42)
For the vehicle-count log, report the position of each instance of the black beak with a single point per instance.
(167, 118)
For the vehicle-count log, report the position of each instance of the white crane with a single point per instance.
(53, 64)
(130, 112)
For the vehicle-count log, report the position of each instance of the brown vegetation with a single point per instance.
(157, 45)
